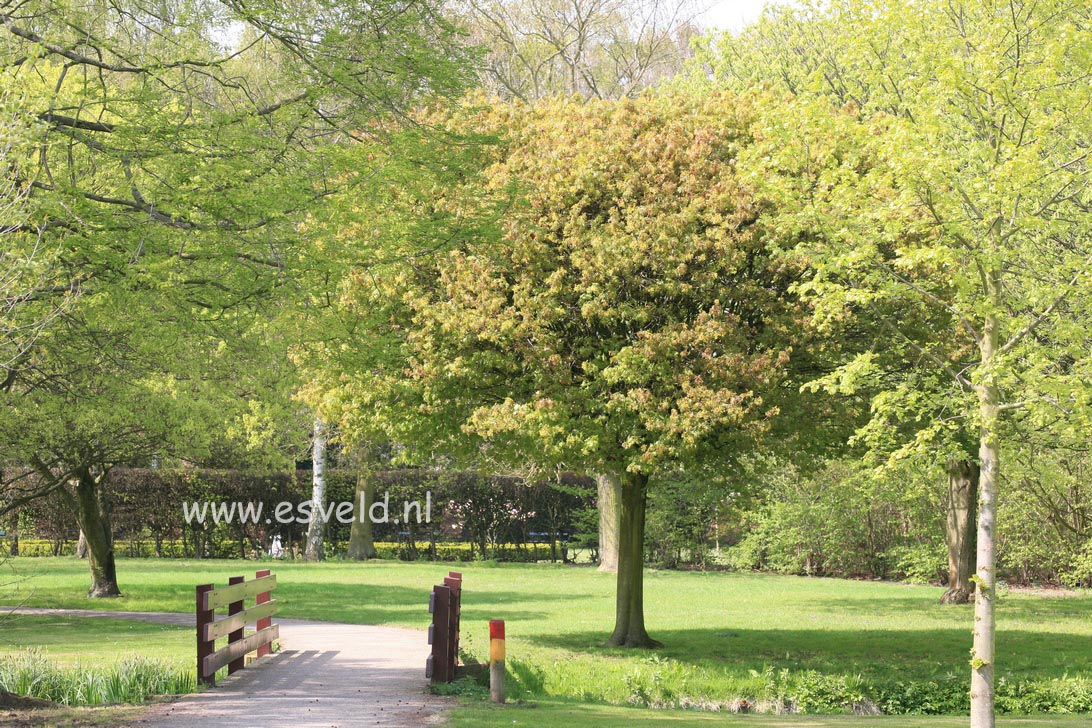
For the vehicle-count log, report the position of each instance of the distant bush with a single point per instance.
(842, 521)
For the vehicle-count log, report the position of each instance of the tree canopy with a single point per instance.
(173, 152)
(624, 314)
(956, 176)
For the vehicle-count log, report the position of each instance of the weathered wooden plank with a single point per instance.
(441, 603)
(235, 650)
(264, 622)
(236, 608)
(204, 647)
(225, 595)
(222, 627)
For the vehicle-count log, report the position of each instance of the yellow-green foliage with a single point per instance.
(622, 308)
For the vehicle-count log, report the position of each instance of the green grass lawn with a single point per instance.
(725, 635)
(561, 714)
(70, 640)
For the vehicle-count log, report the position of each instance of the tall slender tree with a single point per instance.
(963, 186)
(316, 529)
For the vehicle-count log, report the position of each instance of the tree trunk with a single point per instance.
(629, 623)
(361, 539)
(607, 487)
(13, 538)
(982, 651)
(81, 546)
(316, 530)
(92, 509)
(483, 544)
(960, 530)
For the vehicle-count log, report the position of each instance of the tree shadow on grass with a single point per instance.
(878, 654)
(333, 601)
(1008, 606)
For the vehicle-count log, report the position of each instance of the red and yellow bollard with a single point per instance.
(496, 660)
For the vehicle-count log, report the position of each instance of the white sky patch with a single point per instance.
(734, 14)
(731, 15)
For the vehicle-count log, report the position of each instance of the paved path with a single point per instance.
(326, 675)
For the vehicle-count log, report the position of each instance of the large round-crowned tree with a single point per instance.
(597, 296)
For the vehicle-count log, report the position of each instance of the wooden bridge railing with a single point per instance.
(233, 626)
(445, 604)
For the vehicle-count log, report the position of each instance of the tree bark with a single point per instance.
(607, 487)
(982, 651)
(960, 530)
(81, 546)
(13, 535)
(316, 529)
(361, 538)
(92, 509)
(629, 624)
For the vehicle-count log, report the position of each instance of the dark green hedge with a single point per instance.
(472, 515)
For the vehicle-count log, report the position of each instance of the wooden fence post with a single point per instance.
(234, 608)
(454, 581)
(438, 634)
(204, 647)
(265, 621)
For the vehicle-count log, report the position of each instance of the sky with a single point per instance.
(733, 14)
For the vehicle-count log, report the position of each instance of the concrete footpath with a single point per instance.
(326, 675)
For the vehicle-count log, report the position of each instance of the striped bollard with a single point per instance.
(496, 660)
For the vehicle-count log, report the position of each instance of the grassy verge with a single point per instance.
(820, 645)
(562, 714)
(117, 716)
(74, 661)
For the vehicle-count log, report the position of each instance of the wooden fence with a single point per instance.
(445, 604)
(233, 626)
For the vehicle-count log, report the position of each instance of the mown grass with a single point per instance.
(726, 636)
(70, 640)
(583, 715)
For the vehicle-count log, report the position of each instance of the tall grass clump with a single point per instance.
(132, 680)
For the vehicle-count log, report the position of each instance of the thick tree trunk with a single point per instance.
(361, 540)
(92, 509)
(959, 530)
(982, 651)
(629, 624)
(608, 487)
(81, 546)
(316, 530)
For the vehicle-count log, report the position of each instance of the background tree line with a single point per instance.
(494, 517)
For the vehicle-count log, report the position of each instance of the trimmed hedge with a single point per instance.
(473, 516)
(441, 551)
